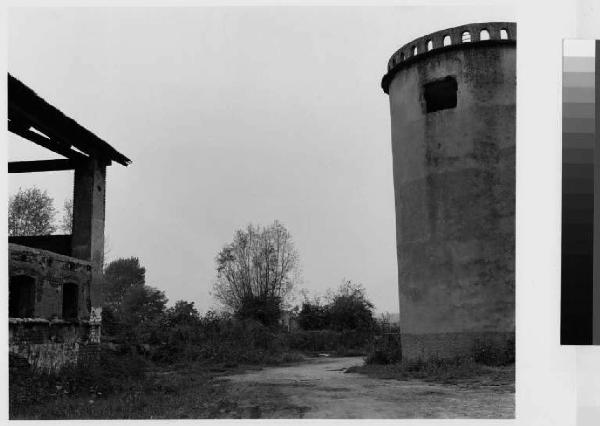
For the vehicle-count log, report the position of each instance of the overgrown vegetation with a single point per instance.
(110, 374)
(345, 309)
(487, 363)
(121, 386)
(387, 349)
(136, 319)
(154, 355)
(460, 370)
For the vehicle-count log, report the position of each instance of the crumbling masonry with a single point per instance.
(55, 280)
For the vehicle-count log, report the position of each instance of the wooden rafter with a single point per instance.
(62, 149)
(42, 165)
(25, 106)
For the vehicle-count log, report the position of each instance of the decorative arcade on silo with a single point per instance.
(452, 103)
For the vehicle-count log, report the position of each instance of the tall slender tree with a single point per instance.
(257, 271)
(66, 221)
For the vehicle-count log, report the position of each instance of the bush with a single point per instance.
(348, 309)
(265, 310)
(313, 316)
(448, 371)
(386, 349)
(343, 343)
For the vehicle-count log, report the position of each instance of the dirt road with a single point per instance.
(319, 388)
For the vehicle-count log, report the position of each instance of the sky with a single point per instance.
(231, 116)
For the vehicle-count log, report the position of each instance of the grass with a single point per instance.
(458, 371)
(128, 387)
(182, 394)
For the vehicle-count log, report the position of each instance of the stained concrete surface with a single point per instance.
(454, 185)
(320, 388)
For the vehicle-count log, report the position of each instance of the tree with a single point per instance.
(313, 316)
(349, 308)
(141, 313)
(31, 212)
(142, 305)
(121, 276)
(256, 272)
(66, 223)
(182, 313)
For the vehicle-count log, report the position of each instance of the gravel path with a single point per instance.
(319, 388)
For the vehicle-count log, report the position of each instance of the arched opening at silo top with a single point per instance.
(447, 41)
(21, 297)
(414, 50)
(429, 45)
(466, 37)
(70, 301)
(440, 94)
(503, 34)
(484, 35)
(401, 56)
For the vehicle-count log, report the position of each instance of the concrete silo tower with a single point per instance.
(452, 102)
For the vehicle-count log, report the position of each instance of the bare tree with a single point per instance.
(66, 224)
(257, 271)
(31, 212)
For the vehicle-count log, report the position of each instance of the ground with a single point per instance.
(321, 388)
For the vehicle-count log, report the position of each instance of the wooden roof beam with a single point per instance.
(25, 105)
(42, 141)
(42, 165)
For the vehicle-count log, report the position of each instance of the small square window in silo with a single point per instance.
(440, 94)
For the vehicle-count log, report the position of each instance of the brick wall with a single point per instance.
(46, 341)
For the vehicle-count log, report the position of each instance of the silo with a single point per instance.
(452, 103)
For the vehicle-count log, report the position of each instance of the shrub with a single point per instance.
(347, 309)
(343, 343)
(313, 316)
(267, 310)
(386, 349)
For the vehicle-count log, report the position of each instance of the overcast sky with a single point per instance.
(232, 115)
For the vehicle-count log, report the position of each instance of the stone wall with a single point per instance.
(50, 271)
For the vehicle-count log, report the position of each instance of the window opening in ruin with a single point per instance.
(466, 37)
(484, 35)
(447, 40)
(440, 94)
(21, 297)
(414, 50)
(70, 301)
(402, 56)
(429, 45)
(503, 34)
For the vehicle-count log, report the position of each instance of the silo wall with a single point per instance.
(454, 184)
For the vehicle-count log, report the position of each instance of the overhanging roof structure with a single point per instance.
(34, 119)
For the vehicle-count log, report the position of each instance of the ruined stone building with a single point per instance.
(54, 280)
(452, 104)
